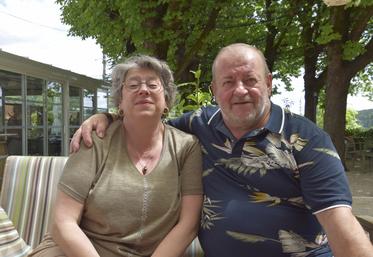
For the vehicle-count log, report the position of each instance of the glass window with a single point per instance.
(10, 114)
(88, 103)
(74, 109)
(35, 115)
(102, 100)
(54, 116)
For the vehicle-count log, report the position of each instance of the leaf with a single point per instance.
(352, 49)
(327, 35)
(249, 238)
(328, 151)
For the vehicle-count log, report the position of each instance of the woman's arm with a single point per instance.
(179, 238)
(66, 231)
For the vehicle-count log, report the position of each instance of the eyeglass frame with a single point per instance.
(134, 88)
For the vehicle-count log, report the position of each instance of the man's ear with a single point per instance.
(269, 84)
(213, 90)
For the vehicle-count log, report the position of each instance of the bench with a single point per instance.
(27, 196)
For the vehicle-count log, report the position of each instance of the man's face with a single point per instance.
(242, 89)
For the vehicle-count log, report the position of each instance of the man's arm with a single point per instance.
(345, 234)
(98, 122)
(101, 121)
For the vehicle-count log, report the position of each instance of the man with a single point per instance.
(273, 181)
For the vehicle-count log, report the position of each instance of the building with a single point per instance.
(41, 106)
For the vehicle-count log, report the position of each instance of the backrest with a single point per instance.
(28, 193)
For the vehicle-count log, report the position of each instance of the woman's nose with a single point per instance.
(144, 88)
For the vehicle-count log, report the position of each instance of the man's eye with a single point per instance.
(250, 81)
(227, 83)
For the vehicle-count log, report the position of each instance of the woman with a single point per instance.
(138, 191)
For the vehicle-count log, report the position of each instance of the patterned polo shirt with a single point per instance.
(262, 190)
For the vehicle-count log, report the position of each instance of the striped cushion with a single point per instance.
(28, 192)
(11, 244)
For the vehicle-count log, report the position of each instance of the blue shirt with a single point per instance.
(262, 190)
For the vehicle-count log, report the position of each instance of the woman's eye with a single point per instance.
(133, 86)
(153, 86)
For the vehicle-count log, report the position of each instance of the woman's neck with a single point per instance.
(143, 135)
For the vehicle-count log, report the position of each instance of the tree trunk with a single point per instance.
(335, 109)
(337, 84)
(311, 99)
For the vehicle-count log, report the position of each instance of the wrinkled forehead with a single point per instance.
(233, 63)
(139, 74)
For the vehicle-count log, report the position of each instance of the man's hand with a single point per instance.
(98, 122)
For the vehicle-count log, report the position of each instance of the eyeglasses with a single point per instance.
(135, 86)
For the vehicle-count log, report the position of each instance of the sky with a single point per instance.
(33, 29)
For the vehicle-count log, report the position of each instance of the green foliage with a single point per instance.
(189, 33)
(320, 116)
(360, 132)
(363, 83)
(352, 49)
(351, 120)
(193, 101)
(327, 35)
(365, 118)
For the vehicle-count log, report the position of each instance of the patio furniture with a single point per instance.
(28, 192)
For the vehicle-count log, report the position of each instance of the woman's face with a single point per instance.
(142, 94)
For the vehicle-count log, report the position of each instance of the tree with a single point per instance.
(310, 20)
(334, 44)
(349, 50)
(175, 31)
(337, 51)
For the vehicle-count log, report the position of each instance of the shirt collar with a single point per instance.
(276, 120)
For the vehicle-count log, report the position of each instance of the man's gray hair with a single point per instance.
(146, 62)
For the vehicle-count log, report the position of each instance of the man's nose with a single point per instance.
(240, 88)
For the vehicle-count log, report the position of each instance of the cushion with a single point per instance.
(11, 244)
(28, 192)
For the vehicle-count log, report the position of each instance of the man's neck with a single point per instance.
(239, 131)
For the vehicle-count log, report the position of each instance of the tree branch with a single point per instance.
(210, 25)
(363, 16)
(353, 67)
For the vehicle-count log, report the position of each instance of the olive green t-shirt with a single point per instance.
(127, 213)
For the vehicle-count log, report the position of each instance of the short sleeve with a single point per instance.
(191, 170)
(81, 170)
(322, 177)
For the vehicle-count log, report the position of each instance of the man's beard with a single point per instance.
(251, 120)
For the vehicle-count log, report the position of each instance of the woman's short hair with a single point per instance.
(147, 62)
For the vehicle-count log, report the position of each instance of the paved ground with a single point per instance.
(361, 184)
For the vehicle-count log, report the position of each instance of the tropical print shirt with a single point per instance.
(262, 191)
